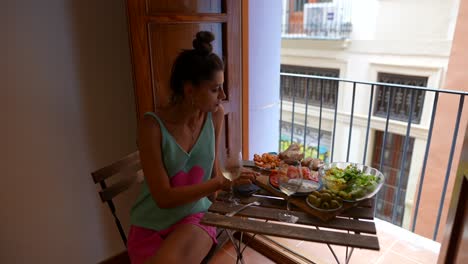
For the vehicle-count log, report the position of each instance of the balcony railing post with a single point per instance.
(351, 122)
(305, 116)
(320, 118)
(293, 107)
(403, 160)
(281, 110)
(384, 141)
(426, 154)
(334, 123)
(368, 124)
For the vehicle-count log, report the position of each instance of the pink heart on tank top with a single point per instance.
(182, 178)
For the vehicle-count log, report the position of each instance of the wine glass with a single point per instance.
(231, 169)
(289, 185)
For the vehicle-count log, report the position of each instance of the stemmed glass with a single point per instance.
(289, 185)
(231, 169)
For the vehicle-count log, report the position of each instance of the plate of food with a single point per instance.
(312, 163)
(351, 181)
(307, 174)
(292, 154)
(308, 185)
(267, 161)
(324, 201)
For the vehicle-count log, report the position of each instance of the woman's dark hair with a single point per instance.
(194, 65)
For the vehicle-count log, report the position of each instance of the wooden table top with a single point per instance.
(263, 219)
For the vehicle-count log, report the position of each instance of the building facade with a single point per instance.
(402, 42)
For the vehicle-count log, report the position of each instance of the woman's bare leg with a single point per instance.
(186, 244)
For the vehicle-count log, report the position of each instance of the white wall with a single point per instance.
(403, 19)
(414, 19)
(264, 68)
(70, 110)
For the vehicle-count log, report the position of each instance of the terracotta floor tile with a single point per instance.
(414, 252)
(229, 248)
(222, 257)
(364, 256)
(386, 239)
(289, 243)
(250, 256)
(320, 253)
(391, 257)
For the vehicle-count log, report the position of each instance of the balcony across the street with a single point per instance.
(325, 19)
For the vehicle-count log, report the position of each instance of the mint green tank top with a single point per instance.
(183, 169)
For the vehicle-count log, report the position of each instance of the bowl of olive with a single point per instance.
(324, 201)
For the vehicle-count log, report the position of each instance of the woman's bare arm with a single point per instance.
(218, 118)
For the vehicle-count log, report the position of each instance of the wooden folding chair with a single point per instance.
(129, 168)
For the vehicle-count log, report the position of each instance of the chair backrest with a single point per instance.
(129, 168)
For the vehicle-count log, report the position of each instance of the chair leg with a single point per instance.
(116, 219)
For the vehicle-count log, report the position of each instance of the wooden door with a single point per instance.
(160, 29)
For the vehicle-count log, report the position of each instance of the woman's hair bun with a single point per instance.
(202, 42)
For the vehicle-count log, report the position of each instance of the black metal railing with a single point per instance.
(322, 20)
(298, 88)
(317, 31)
(402, 143)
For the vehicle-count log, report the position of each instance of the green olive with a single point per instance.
(325, 205)
(318, 202)
(316, 193)
(334, 204)
(312, 199)
(343, 194)
(326, 197)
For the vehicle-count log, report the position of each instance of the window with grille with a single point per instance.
(391, 169)
(400, 98)
(299, 5)
(295, 88)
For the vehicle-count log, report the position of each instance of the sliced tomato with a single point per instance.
(306, 173)
(274, 179)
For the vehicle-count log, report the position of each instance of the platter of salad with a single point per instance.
(352, 182)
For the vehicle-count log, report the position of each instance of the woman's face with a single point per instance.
(207, 97)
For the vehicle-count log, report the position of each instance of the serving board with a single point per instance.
(300, 202)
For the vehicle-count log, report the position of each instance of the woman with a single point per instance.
(177, 149)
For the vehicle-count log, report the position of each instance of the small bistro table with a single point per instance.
(346, 229)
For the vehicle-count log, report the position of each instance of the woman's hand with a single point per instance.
(246, 177)
(224, 184)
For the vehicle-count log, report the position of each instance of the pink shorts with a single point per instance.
(143, 242)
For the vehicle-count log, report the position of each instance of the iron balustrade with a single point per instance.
(413, 91)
